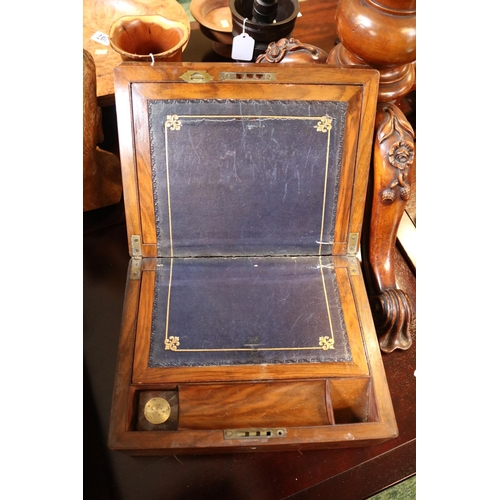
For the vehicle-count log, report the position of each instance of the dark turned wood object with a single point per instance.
(386, 43)
(102, 182)
(246, 18)
(264, 11)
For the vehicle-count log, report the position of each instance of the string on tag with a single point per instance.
(152, 59)
(244, 21)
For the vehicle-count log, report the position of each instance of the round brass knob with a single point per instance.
(157, 410)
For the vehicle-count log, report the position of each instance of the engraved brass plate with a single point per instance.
(196, 76)
(157, 410)
(254, 433)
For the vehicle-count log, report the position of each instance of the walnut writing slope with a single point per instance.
(246, 322)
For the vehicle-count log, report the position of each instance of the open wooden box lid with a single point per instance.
(246, 322)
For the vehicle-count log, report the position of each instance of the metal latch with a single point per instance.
(254, 433)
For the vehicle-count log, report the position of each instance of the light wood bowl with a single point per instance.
(148, 38)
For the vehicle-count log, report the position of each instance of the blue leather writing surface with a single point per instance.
(247, 310)
(236, 178)
(245, 197)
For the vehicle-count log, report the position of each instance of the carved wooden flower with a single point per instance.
(401, 155)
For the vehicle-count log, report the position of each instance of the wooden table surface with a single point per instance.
(348, 474)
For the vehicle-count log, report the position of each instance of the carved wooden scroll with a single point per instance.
(393, 157)
(292, 50)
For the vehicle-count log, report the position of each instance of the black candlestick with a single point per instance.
(264, 11)
(278, 25)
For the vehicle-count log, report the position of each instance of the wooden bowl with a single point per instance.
(214, 18)
(136, 38)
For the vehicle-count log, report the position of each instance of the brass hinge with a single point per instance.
(135, 269)
(352, 245)
(135, 241)
(353, 262)
(135, 265)
(352, 250)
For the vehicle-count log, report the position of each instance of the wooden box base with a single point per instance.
(255, 345)
(248, 408)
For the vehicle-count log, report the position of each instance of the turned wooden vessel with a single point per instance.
(214, 18)
(381, 35)
(153, 38)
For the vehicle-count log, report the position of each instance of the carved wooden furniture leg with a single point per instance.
(381, 34)
(393, 157)
(102, 183)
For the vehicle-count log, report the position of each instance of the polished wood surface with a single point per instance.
(380, 35)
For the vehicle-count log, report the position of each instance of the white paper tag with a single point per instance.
(100, 38)
(243, 46)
